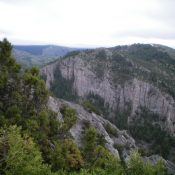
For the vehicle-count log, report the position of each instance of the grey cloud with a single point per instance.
(163, 15)
(158, 34)
(164, 12)
(158, 13)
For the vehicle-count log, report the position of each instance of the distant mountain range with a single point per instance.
(39, 55)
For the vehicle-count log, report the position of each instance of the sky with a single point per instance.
(88, 23)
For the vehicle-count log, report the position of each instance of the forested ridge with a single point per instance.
(33, 141)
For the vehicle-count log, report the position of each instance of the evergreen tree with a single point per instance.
(67, 156)
(137, 166)
(22, 156)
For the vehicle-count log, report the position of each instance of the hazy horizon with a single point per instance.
(86, 47)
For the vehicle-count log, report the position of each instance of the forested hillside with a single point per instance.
(38, 55)
(33, 140)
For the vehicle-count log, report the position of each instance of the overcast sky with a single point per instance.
(88, 23)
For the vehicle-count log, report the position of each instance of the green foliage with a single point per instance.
(121, 117)
(66, 156)
(97, 171)
(95, 103)
(72, 54)
(97, 156)
(101, 55)
(99, 66)
(69, 116)
(23, 102)
(38, 55)
(103, 159)
(121, 68)
(34, 89)
(99, 70)
(137, 166)
(90, 107)
(62, 87)
(111, 130)
(89, 142)
(100, 106)
(147, 130)
(121, 120)
(158, 63)
(101, 140)
(119, 147)
(144, 62)
(21, 155)
(148, 53)
(9, 81)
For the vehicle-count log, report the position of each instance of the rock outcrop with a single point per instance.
(121, 138)
(137, 93)
(136, 86)
(120, 145)
(48, 73)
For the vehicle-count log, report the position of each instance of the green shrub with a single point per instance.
(119, 147)
(72, 54)
(99, 103)
(136, 166)
(69, 117)
(149, 131)
(62, 87)
(21, 155)
(66, 156)
(111, 130)
(90, 107)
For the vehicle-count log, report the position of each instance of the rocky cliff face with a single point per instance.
(48, 73)
(120, 144)
(121, 138)
(131, 86)
(134, 91)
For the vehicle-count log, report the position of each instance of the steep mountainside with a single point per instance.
(118, 142)
(132, 86)
(85, 118)
(167, 49)
(40, 134)
(30, 55)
